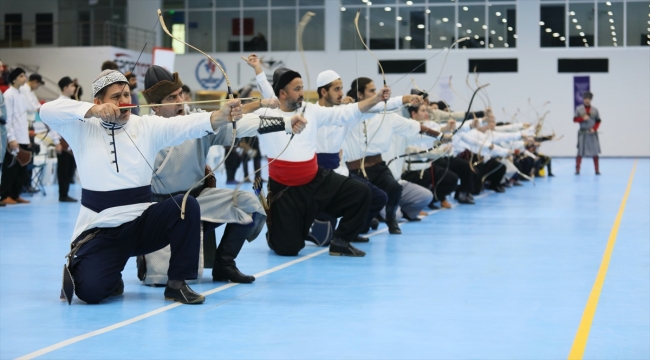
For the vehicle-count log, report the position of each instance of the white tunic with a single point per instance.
(17, 126)
(92, 146)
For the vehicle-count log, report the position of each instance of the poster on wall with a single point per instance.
(580, 85)
(128, 60)
(164, 57)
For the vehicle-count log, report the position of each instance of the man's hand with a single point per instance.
(231, 110)
(526, 125)
(446, 138)
(108, 112)
(585, 117)
(58, 148)
(451, 125)
(382, 95)
(254, 62)
(271, 103)
(415, 100)
(13, 146)
(347, 100)
(298, 124)
(592, 130)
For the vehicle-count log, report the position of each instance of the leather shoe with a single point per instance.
(119, 288)
(463, 198)
(432, 206)
(230, 273)
(410, 219)
(22, 201)
(183, 295)
(361, 239)
(8, 201)
(67, 199)
(393, 227)
(445, 204)
(340, 247)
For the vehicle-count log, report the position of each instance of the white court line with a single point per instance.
(124, 323)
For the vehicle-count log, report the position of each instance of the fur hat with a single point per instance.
(158, 83)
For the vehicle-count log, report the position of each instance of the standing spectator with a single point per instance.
(589, 119)
(3, 129)
(133, 83)
(65, 160)
(33, 105)
(109, 65)
(18, 136)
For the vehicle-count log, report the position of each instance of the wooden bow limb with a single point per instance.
(455, 92)
(184, 103)
(445, 61)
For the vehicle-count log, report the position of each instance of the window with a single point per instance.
(244, 25)
(442, 28)
(44, 29)
(552, 25)
(581, 24)
(472, 24)
(503, 26)
(638, 23)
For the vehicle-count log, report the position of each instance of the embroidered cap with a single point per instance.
(106, 78)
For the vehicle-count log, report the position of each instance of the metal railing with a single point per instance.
(60, 34)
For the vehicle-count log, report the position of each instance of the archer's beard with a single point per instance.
(296, 105)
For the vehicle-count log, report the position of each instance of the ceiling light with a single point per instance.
(504, 20)
(387, 8)
(491, 45)
(408, 38)
(584, 40)
(475, 19)
(610, 13)
(381, 23)
(409, 3)
(445, 19)
(500, 38)
(443, 38)
(428, 11)
(575, 20)
(369, 3)
(429, 46)
(556, 34)
(482, 42)
(611, 20)
(515, 36)
(498, 13)
(465, 8)
(494, 32)
(586, 45)
(613, 27)
(506, 45)
(608, 3)
(420, 26)
(509, 28)
(476, 37)
(541, 23)
(582, 34)
(484, 27)
(578, 27)
(562, 38)
(572, 13)
(615, 44)
(613, 39)
(342, 8)
(469, 31)
(399, 18)
(613, 33)
(547, 30)
(365, 1)
(459, 25)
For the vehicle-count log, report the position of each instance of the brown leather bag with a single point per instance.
(24, 157)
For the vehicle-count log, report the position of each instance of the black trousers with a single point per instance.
(254, 144)
(440, 180)
(229, 247)
(232, 163)
(293, 212)
(378, 200)
(461, 168)
(381, 176)
(97, 268)
(65, 165)
(496, 175)
(13, 176)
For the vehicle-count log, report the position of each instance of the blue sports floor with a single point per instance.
(508, 278)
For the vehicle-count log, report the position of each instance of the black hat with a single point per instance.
(419, 92)
(158, 83)
(442, 105)
(14, 74)
(36, 77)
(587, 95)
(65, 81)
(282, 77)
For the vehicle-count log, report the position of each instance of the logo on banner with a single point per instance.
(208, 75)
(580, 85)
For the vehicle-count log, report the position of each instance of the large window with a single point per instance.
(589, 23)
(429, 24)
(243, 25)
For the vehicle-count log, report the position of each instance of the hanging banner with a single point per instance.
(580, 85)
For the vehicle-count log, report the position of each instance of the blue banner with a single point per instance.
(580, 85)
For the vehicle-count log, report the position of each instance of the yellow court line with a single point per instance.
(580, 341)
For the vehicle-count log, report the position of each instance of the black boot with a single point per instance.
(391, 220)
(340, 247)
(224, 268)
(361, 239)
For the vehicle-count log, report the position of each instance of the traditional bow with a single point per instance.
(230, 96)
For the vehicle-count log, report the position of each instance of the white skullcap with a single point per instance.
(326, 77)
(106, 78)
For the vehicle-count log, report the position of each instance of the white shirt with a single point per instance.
(92, 145)
(17, 126)
(376, 135)
(56, 138)
(32, 102)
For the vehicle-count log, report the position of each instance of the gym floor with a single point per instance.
(552, 270)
